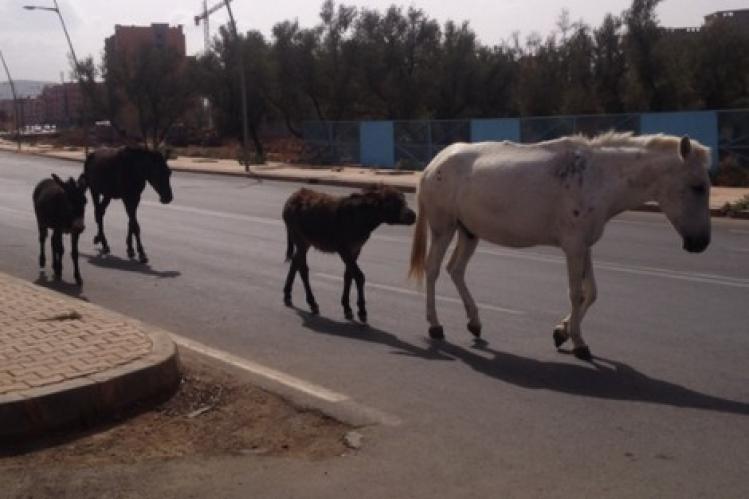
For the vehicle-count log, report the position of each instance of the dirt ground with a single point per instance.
(212, 414)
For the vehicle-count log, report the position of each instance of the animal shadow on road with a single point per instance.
(609, 380)
(115, 262)
(364, 332)
(68, 288)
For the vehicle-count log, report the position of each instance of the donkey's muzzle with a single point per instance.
(408, 216)
(696, 244)
(166, 199)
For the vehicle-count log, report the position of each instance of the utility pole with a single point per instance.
(15, 102)
(245, 160)
(245, 157)
(205, 16)
(56, 9)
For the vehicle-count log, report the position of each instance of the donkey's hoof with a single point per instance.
(97, 239)
(143, 258)
(348, 314)
(559, 336)
(583, 353)
(42, 263)
(79, 281)
(105, 250)
(362, 316)
(287, 301)
(314, 309)
(130, 253)
(437, 333)
(475, 329)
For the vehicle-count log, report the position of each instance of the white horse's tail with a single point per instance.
(419, 244)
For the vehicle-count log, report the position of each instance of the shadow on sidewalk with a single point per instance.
(364, 332)
(609, 380)
(67, 288)
(128, 265)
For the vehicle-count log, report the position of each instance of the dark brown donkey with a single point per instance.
(338, 225)
(60, 206)
(122, 173)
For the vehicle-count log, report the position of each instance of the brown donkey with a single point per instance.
(338, 225)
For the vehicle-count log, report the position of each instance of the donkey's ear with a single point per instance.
(57, 179)
(685, 147)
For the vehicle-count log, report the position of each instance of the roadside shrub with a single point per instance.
(731, 174)
(408, 164)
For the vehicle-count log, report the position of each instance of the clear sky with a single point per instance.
(35, 47)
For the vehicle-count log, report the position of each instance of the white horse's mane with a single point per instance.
(656, 142)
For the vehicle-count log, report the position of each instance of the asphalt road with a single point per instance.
(663, 412)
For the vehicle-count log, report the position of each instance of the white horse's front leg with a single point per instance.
(582, 292)
(590, 293)
(457, 268)
(437, 250)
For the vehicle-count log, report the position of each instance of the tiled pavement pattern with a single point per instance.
(44, 340)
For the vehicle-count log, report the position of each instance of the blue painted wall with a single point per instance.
(377, 143)
(498, 129)
(377, 138)
(698, 125)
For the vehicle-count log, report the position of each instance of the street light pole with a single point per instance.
(56, 9)
(15, 102)
(243, 90)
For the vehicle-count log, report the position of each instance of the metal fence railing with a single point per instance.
(419, 141)
(415, 143)
(327, 142)
(733, 136)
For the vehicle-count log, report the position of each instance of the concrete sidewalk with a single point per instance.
(65, 362)
(336, 175)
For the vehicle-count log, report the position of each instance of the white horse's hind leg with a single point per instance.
(457, 268)
(440, 241)
(582, 291)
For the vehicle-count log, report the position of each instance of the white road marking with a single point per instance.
(739, 231)
(218, 214)
(25, 214)
(411, 292)
(636, 270)
(260, 370)
(525, 255)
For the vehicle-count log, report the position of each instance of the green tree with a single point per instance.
(642, 68)
(148, 91)
(609, 64)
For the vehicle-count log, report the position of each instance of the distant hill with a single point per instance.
(24, 88)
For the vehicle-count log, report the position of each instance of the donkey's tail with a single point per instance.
(419, 244)
(289, 245)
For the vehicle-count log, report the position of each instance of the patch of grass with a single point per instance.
(740, 205)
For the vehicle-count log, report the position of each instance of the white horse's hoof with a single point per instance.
(583, 353)
(437, 333)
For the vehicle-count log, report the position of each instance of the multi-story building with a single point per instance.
(739, 17)
(63, 103)
(125, 47)
(130, 39)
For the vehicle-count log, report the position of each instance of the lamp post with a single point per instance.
(243, 90)
(15, 102)
(56, 9)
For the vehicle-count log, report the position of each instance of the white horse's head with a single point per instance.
(684, 195)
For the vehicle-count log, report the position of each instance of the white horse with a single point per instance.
(557, 193)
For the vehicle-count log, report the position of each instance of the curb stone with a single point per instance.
(649, 207)
(84, 400)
